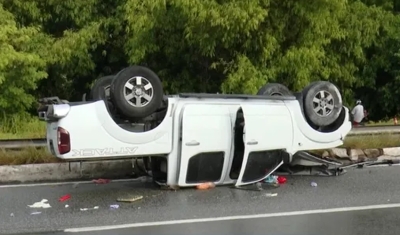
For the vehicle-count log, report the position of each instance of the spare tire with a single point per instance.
(274, 89)
(103, 83)
(136, 92)
(322, 103)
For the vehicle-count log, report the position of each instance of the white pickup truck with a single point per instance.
(188, 139)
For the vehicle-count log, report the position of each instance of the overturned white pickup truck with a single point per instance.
(188, 139)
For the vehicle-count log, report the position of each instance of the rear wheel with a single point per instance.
(101, 84)
(136, 92)
(274, 89)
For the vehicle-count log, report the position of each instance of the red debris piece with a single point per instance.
(101, 181)
(282, 180)
(64, 198)
(204, 186)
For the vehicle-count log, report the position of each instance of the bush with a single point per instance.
(26, 156)
(22, 127)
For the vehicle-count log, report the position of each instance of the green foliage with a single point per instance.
(60, 47)
(21, 66)
(20, 127)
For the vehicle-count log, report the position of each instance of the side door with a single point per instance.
(205, 145)
(268, 133)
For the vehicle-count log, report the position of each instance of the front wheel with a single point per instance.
(322, 103)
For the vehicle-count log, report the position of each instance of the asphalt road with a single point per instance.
(357, 188)
(383, 221)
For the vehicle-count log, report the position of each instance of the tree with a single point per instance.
(22, 63)
(230, 46)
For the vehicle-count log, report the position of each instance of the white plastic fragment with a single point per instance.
(42, 204)
(88, 209)
(115, 206)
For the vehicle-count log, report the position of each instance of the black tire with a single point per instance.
(274, 89)
(339, 122)
(329, 107)
(300, 98)
(101, 84)
(118, 91)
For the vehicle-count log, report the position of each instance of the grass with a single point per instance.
(380, 123)
(26, 156)
(22, 128)
(372, 141)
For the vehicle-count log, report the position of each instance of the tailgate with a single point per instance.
(51, 136)
(51, 110)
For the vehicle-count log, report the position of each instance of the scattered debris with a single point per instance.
(12, 214)
(75, 185)
(36, 213)
(42, 204)
(64, 198)
(275, 180)
(313, 184)
(66, 206)
(116, 206)
(88, 209)
(131, 199)
(259, 186)
(271, 179)
(271, 194)
(281, 180)
(207, 185)
(101, 181)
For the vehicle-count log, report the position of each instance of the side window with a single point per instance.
(260, 163)
(205, 167)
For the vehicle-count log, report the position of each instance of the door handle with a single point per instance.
(192, 143)
(253, 142)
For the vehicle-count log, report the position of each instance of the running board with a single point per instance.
(304, 163)
(308, 159)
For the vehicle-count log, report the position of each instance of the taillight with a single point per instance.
(64, 143)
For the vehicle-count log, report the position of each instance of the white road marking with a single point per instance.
(63, 183)
(239, 217)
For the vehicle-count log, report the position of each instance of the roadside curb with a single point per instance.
(359, 155)
(65, 171)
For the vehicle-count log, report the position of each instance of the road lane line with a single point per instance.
(63, 183)
(239, 217)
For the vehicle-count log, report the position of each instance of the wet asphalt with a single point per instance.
(371, 222)
(358, 187)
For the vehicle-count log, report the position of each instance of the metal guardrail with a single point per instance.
(372, 130)
(22, 143)
(359, 131)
